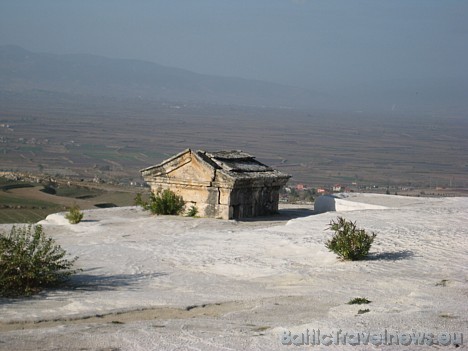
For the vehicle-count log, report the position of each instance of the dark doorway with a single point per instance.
(235, 211)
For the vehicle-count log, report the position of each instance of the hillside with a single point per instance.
(26, 71)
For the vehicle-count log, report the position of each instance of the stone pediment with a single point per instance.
(202, 166)
(184, 167)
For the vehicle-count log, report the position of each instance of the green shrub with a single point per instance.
(30, 262)
(359, 301)
(165, 203)
(74, 214)
(193, 211)
(349, 242)
(138, 201)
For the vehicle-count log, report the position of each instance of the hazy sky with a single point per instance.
(317, 44)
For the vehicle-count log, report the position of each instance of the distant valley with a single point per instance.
(113, 138)
(89, 117)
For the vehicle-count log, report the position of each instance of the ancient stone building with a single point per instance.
(224, 184)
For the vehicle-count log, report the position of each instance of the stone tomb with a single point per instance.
(223, 184)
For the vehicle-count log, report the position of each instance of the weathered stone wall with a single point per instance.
(210, 201)
(225, 203)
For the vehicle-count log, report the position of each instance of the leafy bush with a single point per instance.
(30, 262)
(359, 301)
(193, 211)
(138, 200)
(349, 242)
(74, 214)
(165, 203)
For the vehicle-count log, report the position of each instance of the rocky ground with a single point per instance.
(175, 283)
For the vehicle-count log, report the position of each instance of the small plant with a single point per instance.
(349, 242)
(359, 301)
(193, 211)
(30, 262)
(363, 311)
(165, 202)
(74, 214)
(443, 282)
(138, 201)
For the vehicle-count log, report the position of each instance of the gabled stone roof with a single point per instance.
(240, 165)
(236, 161)
(234, 164)
(229, 155)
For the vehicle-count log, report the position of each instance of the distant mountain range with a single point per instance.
(30, 74)
(23, 71)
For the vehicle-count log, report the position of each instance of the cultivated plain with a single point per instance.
(112, 139)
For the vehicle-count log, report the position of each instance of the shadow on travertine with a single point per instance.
(390, 256)
(283, 215)
(89, 282)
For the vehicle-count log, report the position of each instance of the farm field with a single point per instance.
(22, 202)
(113, 139)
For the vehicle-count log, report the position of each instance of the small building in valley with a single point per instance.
(337, 188)
(223, 184)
